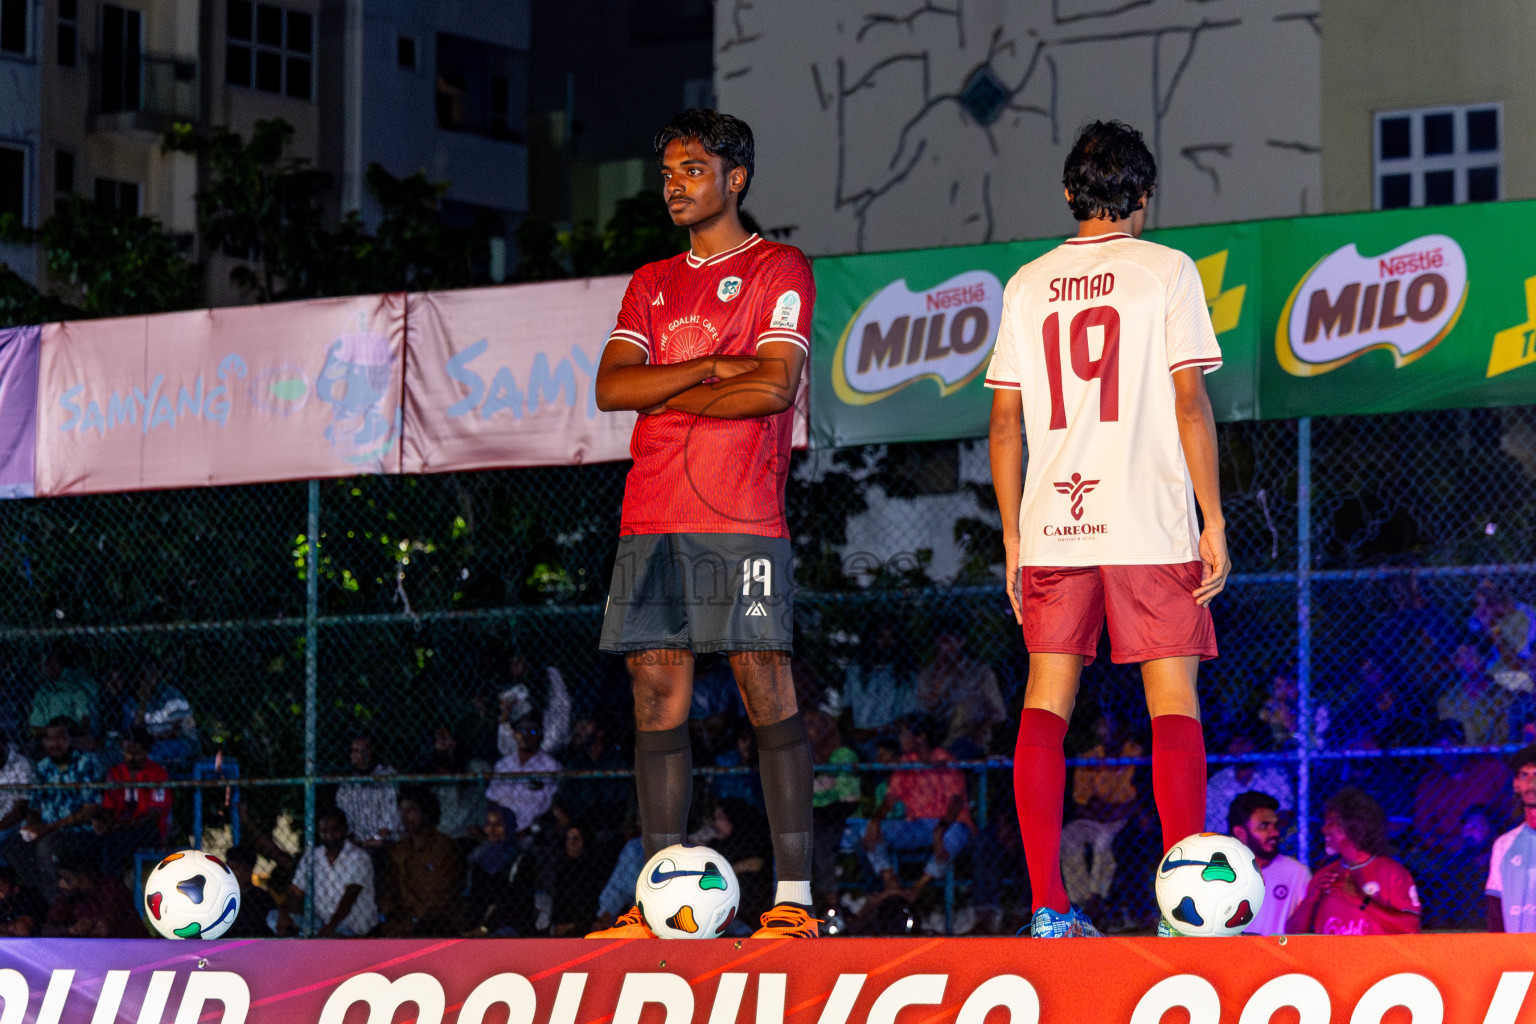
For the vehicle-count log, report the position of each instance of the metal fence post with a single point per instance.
(311, 692)
(1303, 635)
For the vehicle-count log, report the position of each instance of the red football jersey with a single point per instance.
(700, 474)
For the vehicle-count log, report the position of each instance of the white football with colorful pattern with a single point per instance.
(191, 895)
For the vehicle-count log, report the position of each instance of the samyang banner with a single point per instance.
(1336, 315)
(506, 376)
(223, 396)
(1310, 979)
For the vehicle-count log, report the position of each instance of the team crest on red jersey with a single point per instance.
(730, 287)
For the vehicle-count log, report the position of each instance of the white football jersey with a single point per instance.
(1091, 335)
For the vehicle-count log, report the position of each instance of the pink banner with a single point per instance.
(504, 377)
(256, 393)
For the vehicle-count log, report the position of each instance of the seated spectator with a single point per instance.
(541, 696)
(1452, 784)
(526, 799)
(58, 820)
(716, 707)
(1511, 886)
(1253, 819)
(502, 883)
(1511, 625)
(15, 769)
(604, 802)
(165, 712)
(422, 894)
(1480, 705)
(1235, 779)
(1456, 897)
(575, 881)
(461, 804)
(961, 692)
(91, 904)
(834, 799)
(1103, 798)
(938, 812)
(1279, 711)
(63, 691)
(1416, 632)
(256, 904)
(345, 903)
(618, 894)
(997, 863)
(746, 786)
(372, 808)
(1359, 890)
(738, 832)
(880, 686)
(131, 818)
(22, 911)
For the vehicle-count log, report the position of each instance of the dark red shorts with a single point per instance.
(1151, 611)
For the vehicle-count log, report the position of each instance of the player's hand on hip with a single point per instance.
(1213, 556)
(1011, 576)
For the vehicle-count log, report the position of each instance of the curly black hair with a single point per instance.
(1361, 817)
(720, 134)
(1244, 804)
(1109, 172)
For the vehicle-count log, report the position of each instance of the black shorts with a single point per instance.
(705, 592)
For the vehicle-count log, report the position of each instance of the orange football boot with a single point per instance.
(788, 921)
(629, 926)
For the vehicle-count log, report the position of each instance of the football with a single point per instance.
(1209, 884)
(688, 892)
(191, 895)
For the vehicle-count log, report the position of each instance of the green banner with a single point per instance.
(1317, 316)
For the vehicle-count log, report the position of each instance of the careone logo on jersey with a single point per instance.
(1404, 301)
(899, 336)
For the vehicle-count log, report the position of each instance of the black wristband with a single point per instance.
(1365, 901)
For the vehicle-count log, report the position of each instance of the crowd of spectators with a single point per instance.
(523, 822)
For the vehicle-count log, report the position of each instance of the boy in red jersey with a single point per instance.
(709, 348)
(1102, 351)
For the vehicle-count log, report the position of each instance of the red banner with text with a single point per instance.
(1427, 979)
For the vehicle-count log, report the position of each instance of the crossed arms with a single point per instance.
(725, 387)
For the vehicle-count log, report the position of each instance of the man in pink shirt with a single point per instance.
(1359, 890)
(938, 811)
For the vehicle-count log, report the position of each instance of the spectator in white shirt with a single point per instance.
(372, 808)
(1232, 781)
(526, 799)
(344, 893)
(15, 768)
(1255, 822)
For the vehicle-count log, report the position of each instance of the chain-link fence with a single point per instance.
(1377, 632)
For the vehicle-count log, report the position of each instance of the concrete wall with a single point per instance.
(864, 144)
(1380, 55)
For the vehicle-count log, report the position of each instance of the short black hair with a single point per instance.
(1243, 806)
(1520, 758)
(722, 135)
(333, 813)
(1108, 172)
(425, 799)
(1361, 817)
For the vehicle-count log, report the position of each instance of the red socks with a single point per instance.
(1039, 782)
(1178, 776)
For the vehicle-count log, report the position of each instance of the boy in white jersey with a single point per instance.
(1102, 351)
(1511, 886)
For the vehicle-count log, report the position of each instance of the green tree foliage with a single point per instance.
(99, 263)
(267, 208)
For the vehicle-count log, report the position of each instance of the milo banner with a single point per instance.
(1313, 980)
(1363, 313)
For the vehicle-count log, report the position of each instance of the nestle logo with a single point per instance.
(1411, 262)
(951, 298)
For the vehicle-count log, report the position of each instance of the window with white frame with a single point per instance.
(1439, 156)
